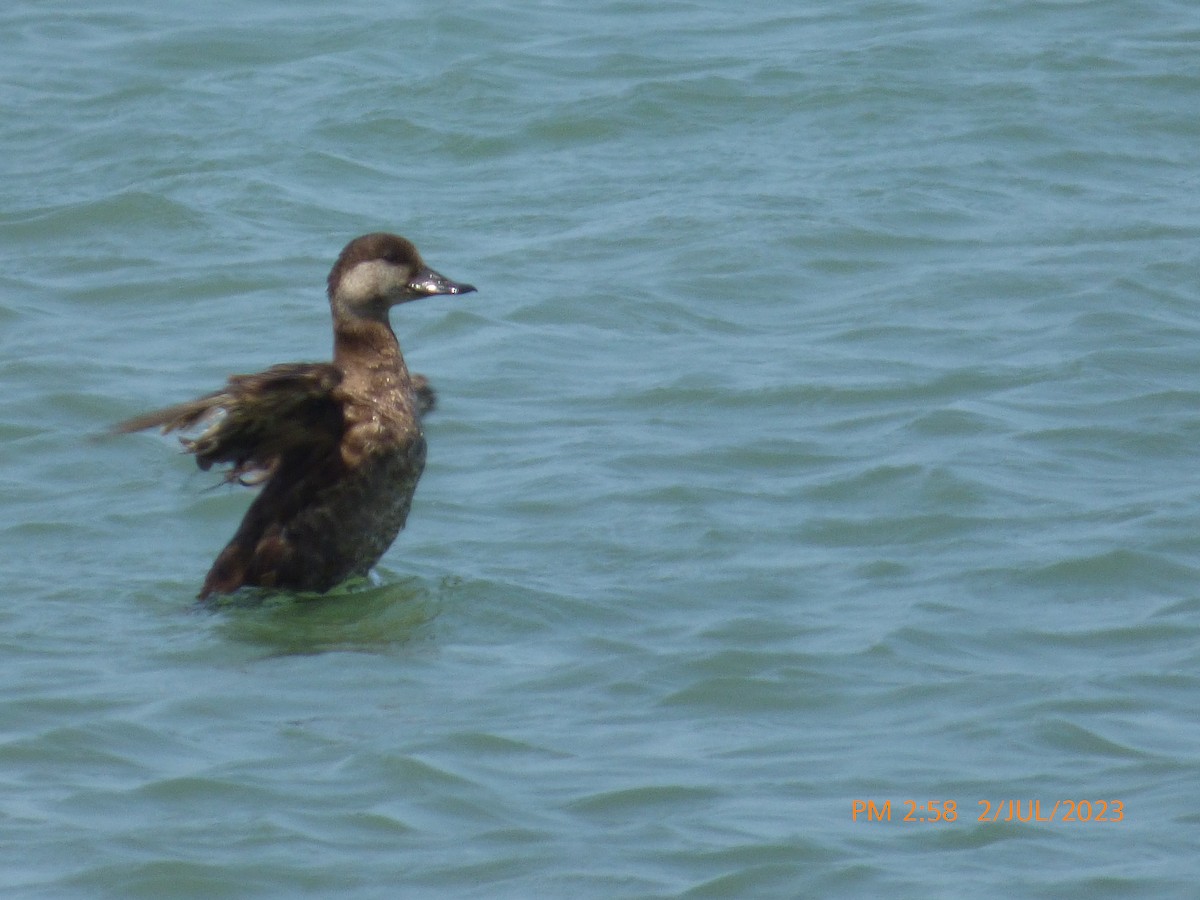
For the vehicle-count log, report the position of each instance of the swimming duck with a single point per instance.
(336, 447)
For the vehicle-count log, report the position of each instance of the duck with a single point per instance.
(335, 448)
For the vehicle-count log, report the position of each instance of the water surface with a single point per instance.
(823, 430)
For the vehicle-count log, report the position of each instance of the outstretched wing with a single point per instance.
(426, 397)
(256, 421)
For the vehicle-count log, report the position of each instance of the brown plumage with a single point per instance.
(337, 447)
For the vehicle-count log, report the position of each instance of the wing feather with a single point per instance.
(257, 420)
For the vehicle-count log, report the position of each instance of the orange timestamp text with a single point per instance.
(931, 811)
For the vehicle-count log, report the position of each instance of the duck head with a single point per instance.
(378, 271)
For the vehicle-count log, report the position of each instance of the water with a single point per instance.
(824, 430)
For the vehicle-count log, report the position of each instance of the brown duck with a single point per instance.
(337, 447)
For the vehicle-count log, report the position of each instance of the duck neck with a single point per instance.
(368, 348)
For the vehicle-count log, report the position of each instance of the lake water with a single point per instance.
(824, 430)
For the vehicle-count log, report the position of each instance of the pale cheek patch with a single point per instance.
(362, 282)
(369, 281)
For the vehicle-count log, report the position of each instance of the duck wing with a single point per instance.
(425, 394)
(288, 412)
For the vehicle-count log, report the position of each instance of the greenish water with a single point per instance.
(823, 430)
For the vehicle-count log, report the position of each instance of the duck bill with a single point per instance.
(427, 283)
